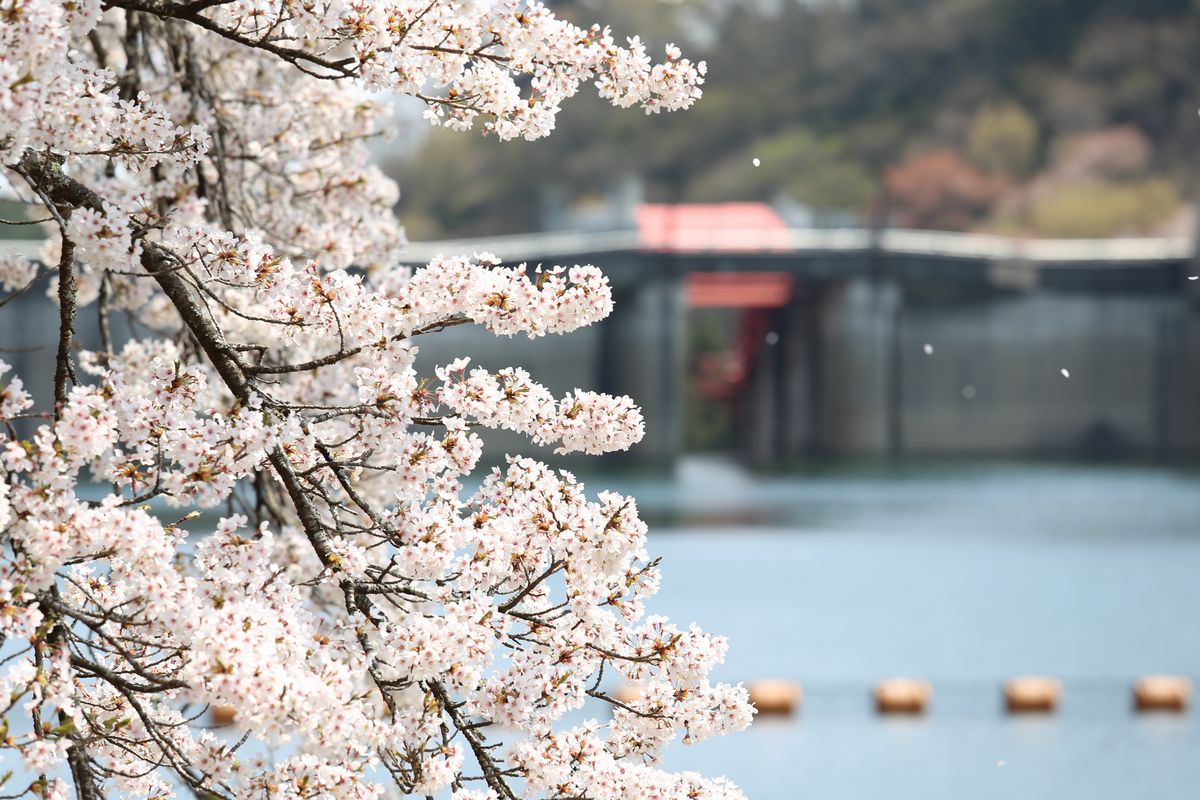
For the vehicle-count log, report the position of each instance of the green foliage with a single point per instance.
(817, 171)
(708, 423)
(1104, 208)
(830, 95)
(1003, 139)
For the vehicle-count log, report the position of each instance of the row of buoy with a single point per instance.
(1022, 695)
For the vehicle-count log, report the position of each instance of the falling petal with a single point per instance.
(757, 162)
(1066, 373)
(928, 349)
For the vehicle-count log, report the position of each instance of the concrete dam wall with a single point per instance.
(855, 376)
(847, 372)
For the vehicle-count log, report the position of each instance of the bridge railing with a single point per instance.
(567, 244)
(895, 240)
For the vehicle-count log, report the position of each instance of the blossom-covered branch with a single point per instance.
(201, 168)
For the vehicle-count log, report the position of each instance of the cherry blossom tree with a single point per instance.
(202, 168)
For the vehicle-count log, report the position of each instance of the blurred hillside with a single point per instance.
(1046, 117)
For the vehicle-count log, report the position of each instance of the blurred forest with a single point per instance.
(1042, 117)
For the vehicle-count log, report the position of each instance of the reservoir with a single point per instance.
(961, 573)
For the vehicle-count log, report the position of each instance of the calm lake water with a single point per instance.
(962, 574)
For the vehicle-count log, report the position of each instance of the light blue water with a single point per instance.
(964, 575)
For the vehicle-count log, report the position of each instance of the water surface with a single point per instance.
(965, 575)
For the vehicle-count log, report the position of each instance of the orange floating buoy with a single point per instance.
(902, 696)
(627, 694)
(223, 715)
(1032, 694)
(1162, 693)
(775, 697)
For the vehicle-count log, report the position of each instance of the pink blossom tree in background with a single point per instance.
(203, 172)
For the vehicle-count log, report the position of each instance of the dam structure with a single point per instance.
(849, 342)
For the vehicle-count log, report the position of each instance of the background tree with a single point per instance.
(856, 88)
(1003, 139)
(940, 190)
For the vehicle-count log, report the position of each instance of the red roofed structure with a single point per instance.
(738, 289)
(711, 226)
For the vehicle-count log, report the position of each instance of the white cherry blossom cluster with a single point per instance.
(573, 763)
(13, 397)
(104, 241)
(504, 299)
(51, 98)
(16, 272)
(472, 53)
(256, 498)
(510, 399)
